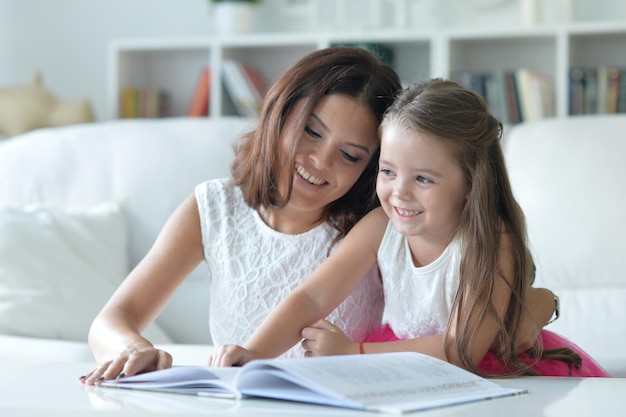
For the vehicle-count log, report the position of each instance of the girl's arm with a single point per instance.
(115, 334)
(485, 336)
(323, 338)
(315, 298)
(540, 304)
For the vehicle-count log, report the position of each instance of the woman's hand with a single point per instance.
(230, 355)
(324, 338)
(139, 358)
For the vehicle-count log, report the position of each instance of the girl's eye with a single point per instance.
(311, 132)
(349, 157)
(423, 180)
(385, 171)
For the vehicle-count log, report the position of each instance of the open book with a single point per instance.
(386, 382)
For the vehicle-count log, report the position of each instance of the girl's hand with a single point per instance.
(324, 338)
(131, 361)
(230, 355)
(540, 304)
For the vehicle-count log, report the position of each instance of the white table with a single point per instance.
(53, 390)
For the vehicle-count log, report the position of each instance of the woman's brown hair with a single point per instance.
(460, 119)
(265, 175)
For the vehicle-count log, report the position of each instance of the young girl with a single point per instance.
(450, 242)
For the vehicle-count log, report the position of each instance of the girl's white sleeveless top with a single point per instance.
(252, 267)
(418, 300)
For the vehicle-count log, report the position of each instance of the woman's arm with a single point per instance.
(115, 335)
(315, 298)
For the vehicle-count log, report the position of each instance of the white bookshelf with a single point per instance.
(174, 64)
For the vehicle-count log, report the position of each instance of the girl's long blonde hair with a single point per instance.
(461, 119)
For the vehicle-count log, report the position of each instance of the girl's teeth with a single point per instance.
(407, 212)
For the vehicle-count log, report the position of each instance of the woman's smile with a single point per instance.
(308, 177)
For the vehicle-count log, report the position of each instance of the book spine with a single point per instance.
(129, 101)
(199, 105)
(238, 89)
(512, 98)
(576, 91)
(256, 84)
(547, 95)
(602, 76)
(590, 91)
(525, 94)
(496, 96)
(621, 96)
(613, 75)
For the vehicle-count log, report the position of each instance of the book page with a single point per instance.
(183, 380)
(399, 381)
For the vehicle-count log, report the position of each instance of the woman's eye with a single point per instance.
(350, 157)
(311, 132)
(423, 180)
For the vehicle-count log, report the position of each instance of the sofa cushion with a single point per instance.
(58, 267)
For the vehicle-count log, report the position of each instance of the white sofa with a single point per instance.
(103, 191)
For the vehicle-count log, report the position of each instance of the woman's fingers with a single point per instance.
(129, 362)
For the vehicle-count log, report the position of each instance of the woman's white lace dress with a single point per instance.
(252, 267)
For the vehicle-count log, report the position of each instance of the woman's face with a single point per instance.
(338, 141)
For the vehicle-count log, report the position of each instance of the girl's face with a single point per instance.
(420, 185)
(335, 147)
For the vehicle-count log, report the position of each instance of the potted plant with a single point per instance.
(233, 16)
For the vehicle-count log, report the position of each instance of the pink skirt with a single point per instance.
(545, 367)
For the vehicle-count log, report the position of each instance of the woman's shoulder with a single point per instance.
(216, 189)
(213, 185)
(219, 195)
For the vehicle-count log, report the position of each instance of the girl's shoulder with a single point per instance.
(374, 220)
(371, 227)
(377, 215)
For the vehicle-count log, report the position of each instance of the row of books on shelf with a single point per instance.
(597, 90)
(245, 85)
(514, 96)
(144, 103)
